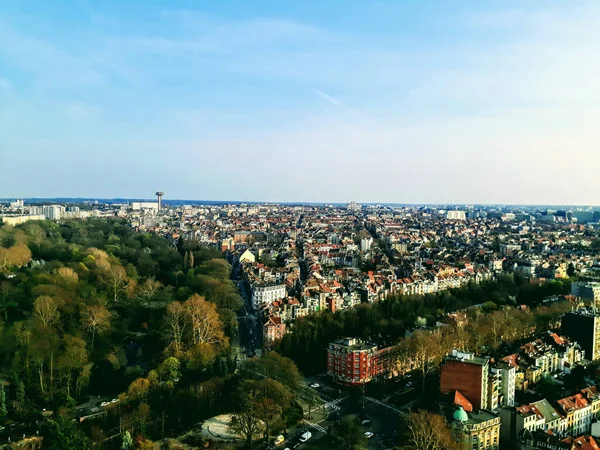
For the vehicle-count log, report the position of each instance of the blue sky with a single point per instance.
(375, 101)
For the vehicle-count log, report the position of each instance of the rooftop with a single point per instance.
(467, 357)
(354, 344)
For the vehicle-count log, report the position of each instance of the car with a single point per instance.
(305, 436)
(104, 403)
(365, 421)
(369, 434)
(315, 385)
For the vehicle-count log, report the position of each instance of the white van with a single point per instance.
(305, 436)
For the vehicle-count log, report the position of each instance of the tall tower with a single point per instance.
(159, 194)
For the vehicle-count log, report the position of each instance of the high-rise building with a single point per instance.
(468, 374)
(583, 326)
(456, 215)
(53, 212)
(588, 291)
(365, 244)
(508, 375)
(353, 206)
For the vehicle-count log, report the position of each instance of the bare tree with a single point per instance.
(425, 349)
(176, 319)
(148, 291)
(45, 310)
(204, 320)
(116, 279)
(246, 421)
(95, 319)
(428, 431)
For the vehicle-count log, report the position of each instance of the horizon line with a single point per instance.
(133, 199)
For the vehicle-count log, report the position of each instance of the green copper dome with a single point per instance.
(460, 414)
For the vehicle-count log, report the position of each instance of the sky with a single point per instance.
(404, 101)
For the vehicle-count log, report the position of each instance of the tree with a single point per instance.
(138, 388)
(63, 434)
(15, 256)
(5, 298)
(148, 291)
(246, 421)
(45, 310)
(95, 320)
(176, 321)
(67, 274)
(115, 277)
(140, 417)
(169, 371)
(188, 260)
(272, 401)
(71, 361)
(3, 410)
(427, 431)
(277, 367)
(349, 431)
(425, 349)
(35, 233)
(204, 319)
(127, 441)
(20, 398)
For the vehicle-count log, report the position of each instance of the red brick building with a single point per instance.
(468, 374)
(351, 361)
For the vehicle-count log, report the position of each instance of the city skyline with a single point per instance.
(182, 201)
(439, 103)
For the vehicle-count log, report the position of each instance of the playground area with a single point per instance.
(217, 428)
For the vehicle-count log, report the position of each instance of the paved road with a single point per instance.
(250, 329)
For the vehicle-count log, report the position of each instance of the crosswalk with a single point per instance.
(373, 400)
(316, 426)
(333, 405)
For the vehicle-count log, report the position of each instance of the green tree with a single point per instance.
(275, 366)
(3, 410)
(63, 434)
(127, 441)
(169, 371)
(20, 398)
(349, 431)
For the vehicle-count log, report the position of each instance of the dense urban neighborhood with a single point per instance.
(164, 324)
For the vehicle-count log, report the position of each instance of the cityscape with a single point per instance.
(477, 324)
(299, 225)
